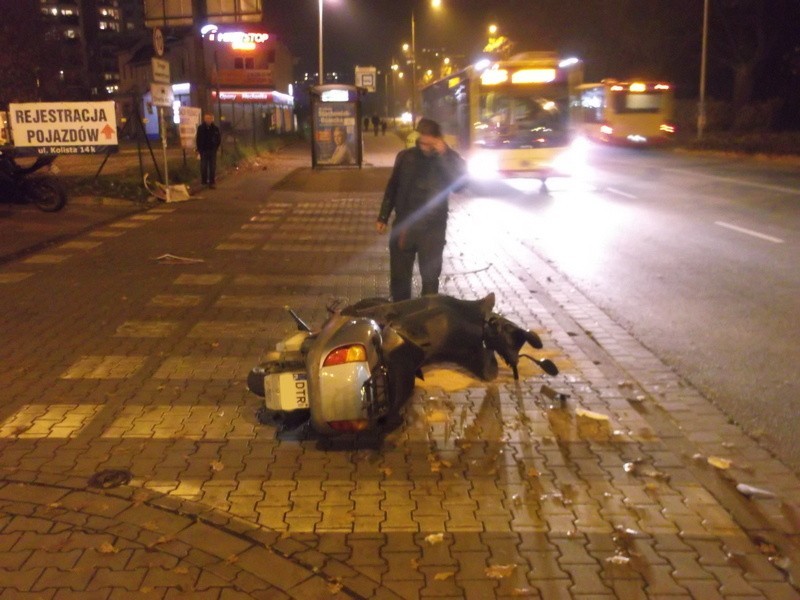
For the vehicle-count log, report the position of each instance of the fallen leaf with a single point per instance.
(180, 570)
(434, 538)
(106, 548)
(719, 463)
(533, 473)
(386, 471)
(232, 559)
(588, 414)
(500, 571)
(444, 576)
(150, 526)
(517, 592)
(414, 562)
(335, 587)
(217, 465)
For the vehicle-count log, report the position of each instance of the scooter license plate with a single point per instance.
(286, 391)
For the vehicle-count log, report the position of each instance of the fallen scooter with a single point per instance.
(348, 376)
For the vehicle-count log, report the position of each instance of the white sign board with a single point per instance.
(160, 70)
(64, 127)
(190, 119)
(366, 77)
(162, 94)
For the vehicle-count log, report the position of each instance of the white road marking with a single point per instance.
(737, 181)
(762, 236)
(621, 193)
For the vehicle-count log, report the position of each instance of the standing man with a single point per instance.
(207, 141)
(417, 192)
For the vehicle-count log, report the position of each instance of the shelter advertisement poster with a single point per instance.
(335, 133)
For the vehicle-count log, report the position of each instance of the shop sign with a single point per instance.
(64, 127)
(245, 77)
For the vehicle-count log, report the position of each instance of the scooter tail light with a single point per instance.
(353, 426)
(345, 354)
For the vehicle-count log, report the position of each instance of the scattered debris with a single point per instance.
(500, 571)
(434, 538)
(172, 259)
(618, 559)
(444, 575)
(110, 478)
(167, 193)
(753, 492)
(719, 463)
(546, 390)
(588, 414)
(216, 465)
(335, 586)
(106, 548)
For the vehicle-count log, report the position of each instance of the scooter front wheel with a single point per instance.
(47, 194)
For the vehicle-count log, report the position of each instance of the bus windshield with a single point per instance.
(519, 118)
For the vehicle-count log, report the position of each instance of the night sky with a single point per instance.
(370, 32)
(657, 39)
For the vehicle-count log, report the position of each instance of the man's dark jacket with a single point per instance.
(419, 187)
(208, 138)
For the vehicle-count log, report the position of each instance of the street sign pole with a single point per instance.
(163, 127)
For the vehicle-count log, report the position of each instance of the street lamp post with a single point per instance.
(701, 109)
(321, 67)
(435, 4)
(413, 71)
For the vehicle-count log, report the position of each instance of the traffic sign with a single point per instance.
(64, 127)
(162, 94)
(366, 77)
(160, 70)
(158, 41)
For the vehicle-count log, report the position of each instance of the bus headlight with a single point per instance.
(483, 165)
(574, 159)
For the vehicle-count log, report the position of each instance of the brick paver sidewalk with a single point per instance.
(594, 484)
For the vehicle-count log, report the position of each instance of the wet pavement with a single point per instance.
(133, 464)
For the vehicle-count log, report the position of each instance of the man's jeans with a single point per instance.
(426, 245)
(208, 166)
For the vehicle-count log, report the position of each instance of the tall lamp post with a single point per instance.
(701, 109)
(321, 67)
(434, 4)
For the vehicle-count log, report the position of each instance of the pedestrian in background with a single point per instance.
(376, 122)
(366, 124)
(207, 141)
(418, 190)
(383, 127)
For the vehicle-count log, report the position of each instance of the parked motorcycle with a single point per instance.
(19, 184)
(348, 376)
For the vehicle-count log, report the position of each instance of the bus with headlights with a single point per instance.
(509, 118)
(633, 113)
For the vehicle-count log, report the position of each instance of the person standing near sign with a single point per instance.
(417, 192)
(207, 141)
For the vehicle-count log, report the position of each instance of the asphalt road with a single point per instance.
(697, 256)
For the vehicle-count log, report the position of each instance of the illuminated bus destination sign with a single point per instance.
(64, 127)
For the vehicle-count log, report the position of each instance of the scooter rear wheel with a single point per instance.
(47, 194)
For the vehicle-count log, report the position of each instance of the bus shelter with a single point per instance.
(335, 132)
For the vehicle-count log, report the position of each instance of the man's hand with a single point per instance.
(380, 226)
(439, 145)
